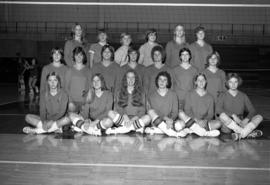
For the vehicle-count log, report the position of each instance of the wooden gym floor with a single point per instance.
(127, 159)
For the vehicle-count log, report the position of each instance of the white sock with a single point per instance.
(54, 127)
(170, 132)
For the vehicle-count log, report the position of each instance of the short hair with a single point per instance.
(197, 76)
(107, 46)
(199, 28)
(183, 50)
(150, 31)
(178, 26)
(167, 75)
(161, 50)
(78, 50)
(53, 73)
(233, 75)
(124, 34)
(60, 50)
(103, 83)
(210, 56)
(132, 49)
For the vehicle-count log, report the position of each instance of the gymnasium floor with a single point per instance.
(127, 159)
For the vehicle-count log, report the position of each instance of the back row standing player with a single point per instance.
(78, 40)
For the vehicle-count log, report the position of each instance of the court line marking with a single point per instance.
(10, 102)
(12, 114)
(134, 4)
(133, 165)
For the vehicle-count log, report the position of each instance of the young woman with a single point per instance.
(174, 46)
(57, 66)
(133, 57)
(121, 54)
(216, 77)
(130, 107)
(231, 108)
(53, 108)
(200, 49)
(77, 80)
(95, 49)
(33, 70)
(108, 68)
(183, 76)
(163, 107)
(78, 40)
(158, 56)
(198, 111)
(94, 116)
(145, 49)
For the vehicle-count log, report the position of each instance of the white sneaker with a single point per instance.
(182, 133)
(212, 133)
(30, 130)
(92, 131)
(118, 130)
(76, 129)
(153, 130)
(140, 130)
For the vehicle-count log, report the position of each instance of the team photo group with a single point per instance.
(174, 90)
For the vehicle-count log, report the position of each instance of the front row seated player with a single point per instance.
(129, 112)
(53, 108)
(199, 110)
(231, 108)
(163, 108)
(93, 117)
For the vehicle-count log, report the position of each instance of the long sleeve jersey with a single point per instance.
(77, 83)
(183, 80)
(70, 45)
(130, 109)
(52, 108)
(165, 106)
(215, 82)
(61, 71)
(99, 107)
(172, 53)
(199, 107)
(111, 74)
(199, 55)
(238, 105)
(151, 73)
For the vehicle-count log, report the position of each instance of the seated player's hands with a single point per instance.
(236, 119)
(244, 122)
(169, 122)
(47, 125)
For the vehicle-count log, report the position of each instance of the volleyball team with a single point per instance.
(174, 91)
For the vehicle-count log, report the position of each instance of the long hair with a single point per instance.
(90, 96)
(107, 46)
(57, 77)
(78, 50)
(196, 77)
(83, 40)
(210, 56)
(137, 94)
(60, 50)
(185, 50)
(160, 49)
(132, 49)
